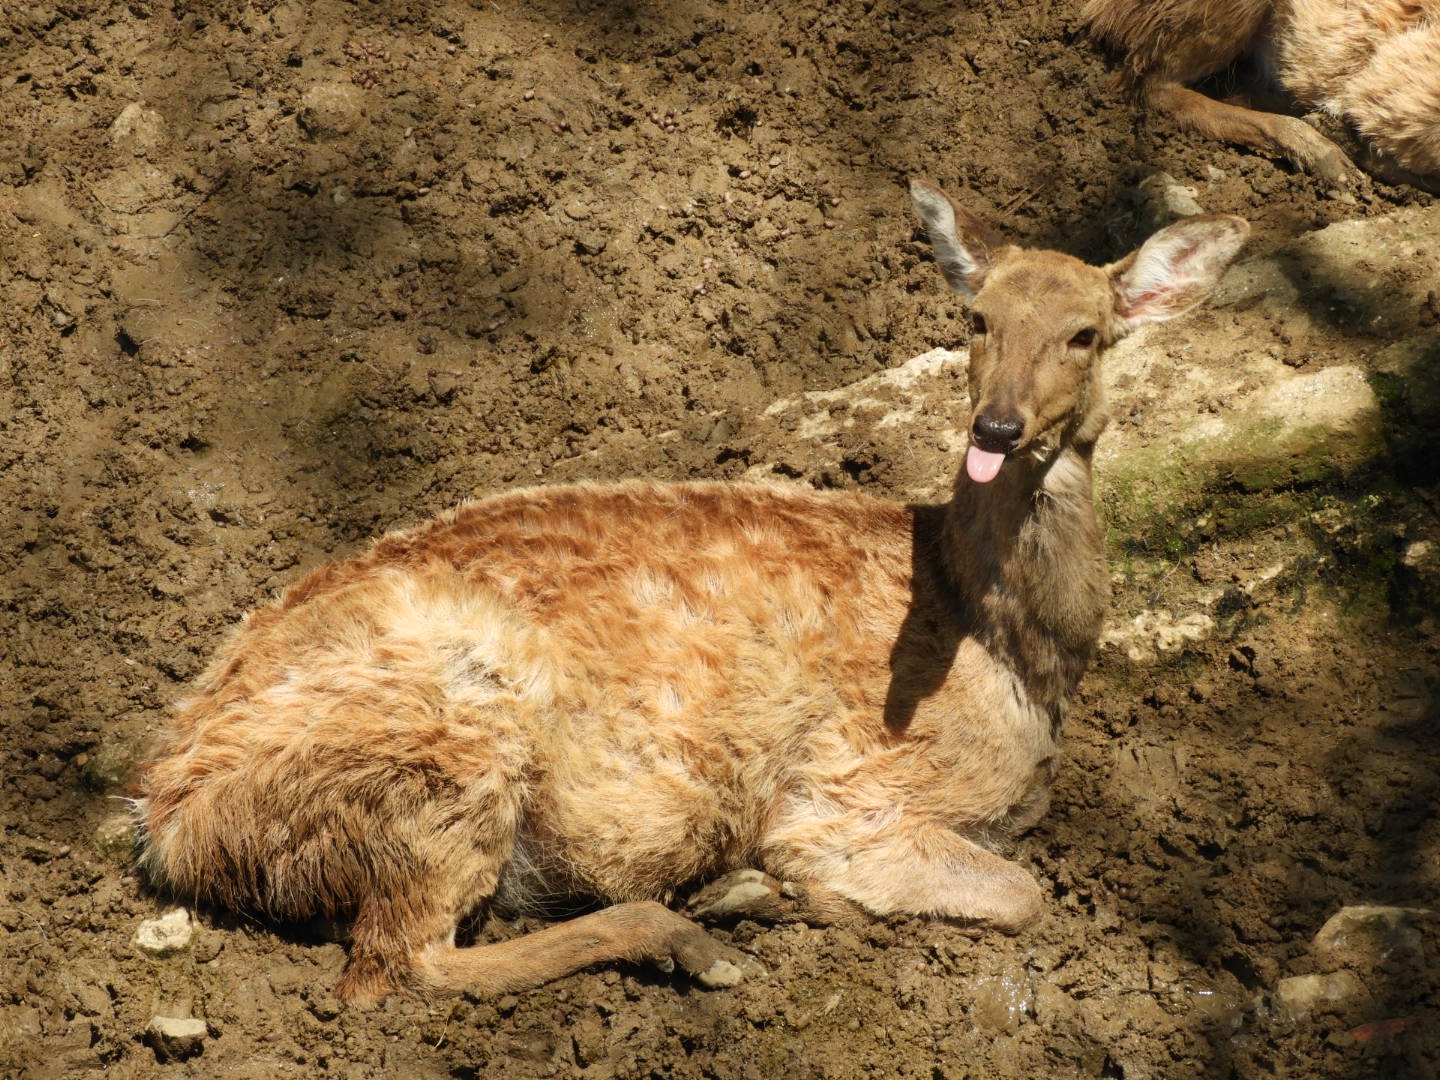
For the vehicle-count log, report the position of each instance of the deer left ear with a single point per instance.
(1175, 269)
(964, 246)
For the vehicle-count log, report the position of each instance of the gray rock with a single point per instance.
(1369, 934)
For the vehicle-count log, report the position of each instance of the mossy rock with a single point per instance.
(1305, 431)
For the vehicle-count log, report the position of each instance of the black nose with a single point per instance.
(997, 436)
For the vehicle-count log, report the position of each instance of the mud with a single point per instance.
(276, 277)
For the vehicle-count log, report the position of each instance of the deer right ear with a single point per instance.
(1175, 269)
(964, 246)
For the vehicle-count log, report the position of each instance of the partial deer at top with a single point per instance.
(614, 692)
(1373, 64)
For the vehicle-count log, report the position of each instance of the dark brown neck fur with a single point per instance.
(1025, 557)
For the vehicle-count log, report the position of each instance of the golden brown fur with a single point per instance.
(1371, 63)
(614, 690)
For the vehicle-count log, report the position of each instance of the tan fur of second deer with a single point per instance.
(618, 690)
(1374, 64)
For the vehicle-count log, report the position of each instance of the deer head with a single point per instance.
(1040, 321)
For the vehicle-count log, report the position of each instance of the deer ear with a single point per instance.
(1175, 269)
(964, 246)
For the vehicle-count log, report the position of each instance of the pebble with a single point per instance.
(1166, 199)
(1300, 995)
(176, 1038)
(115, 838)
(168, 934)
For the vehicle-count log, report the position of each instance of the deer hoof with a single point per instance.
(738, 895)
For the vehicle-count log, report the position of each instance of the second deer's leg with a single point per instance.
(1270, 132)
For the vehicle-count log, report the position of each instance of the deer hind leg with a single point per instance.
(403, 934)
(424, 882)
(404, 937)
(1273, 133)
(637, 931)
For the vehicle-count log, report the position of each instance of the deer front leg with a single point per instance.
(890, 864)
(754, 894)
(1269, 132)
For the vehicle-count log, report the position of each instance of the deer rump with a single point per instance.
(1371, 64)
(619, 690)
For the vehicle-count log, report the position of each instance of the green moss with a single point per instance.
(1326, 504)
(1406, 382)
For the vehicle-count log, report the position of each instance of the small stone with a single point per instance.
(137, 128)
(1166, 200)
(1300, 995)
(1370, 934)
(115, 838)
(328, 110)
(166, 935)
(176, 1038)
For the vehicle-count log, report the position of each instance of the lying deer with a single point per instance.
(614, 690)
(1375, 64)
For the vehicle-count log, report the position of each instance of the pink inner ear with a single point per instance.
(1160, 303)
(1136, 303)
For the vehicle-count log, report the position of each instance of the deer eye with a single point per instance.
(977, 323)
(1084, 339)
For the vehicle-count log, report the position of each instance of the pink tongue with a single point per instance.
(983, 465)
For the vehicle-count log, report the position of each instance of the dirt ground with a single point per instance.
(279, 276)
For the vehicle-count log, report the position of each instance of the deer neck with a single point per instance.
(1024, 555)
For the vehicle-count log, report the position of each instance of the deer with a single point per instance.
(1370, 64)
(580, 700)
